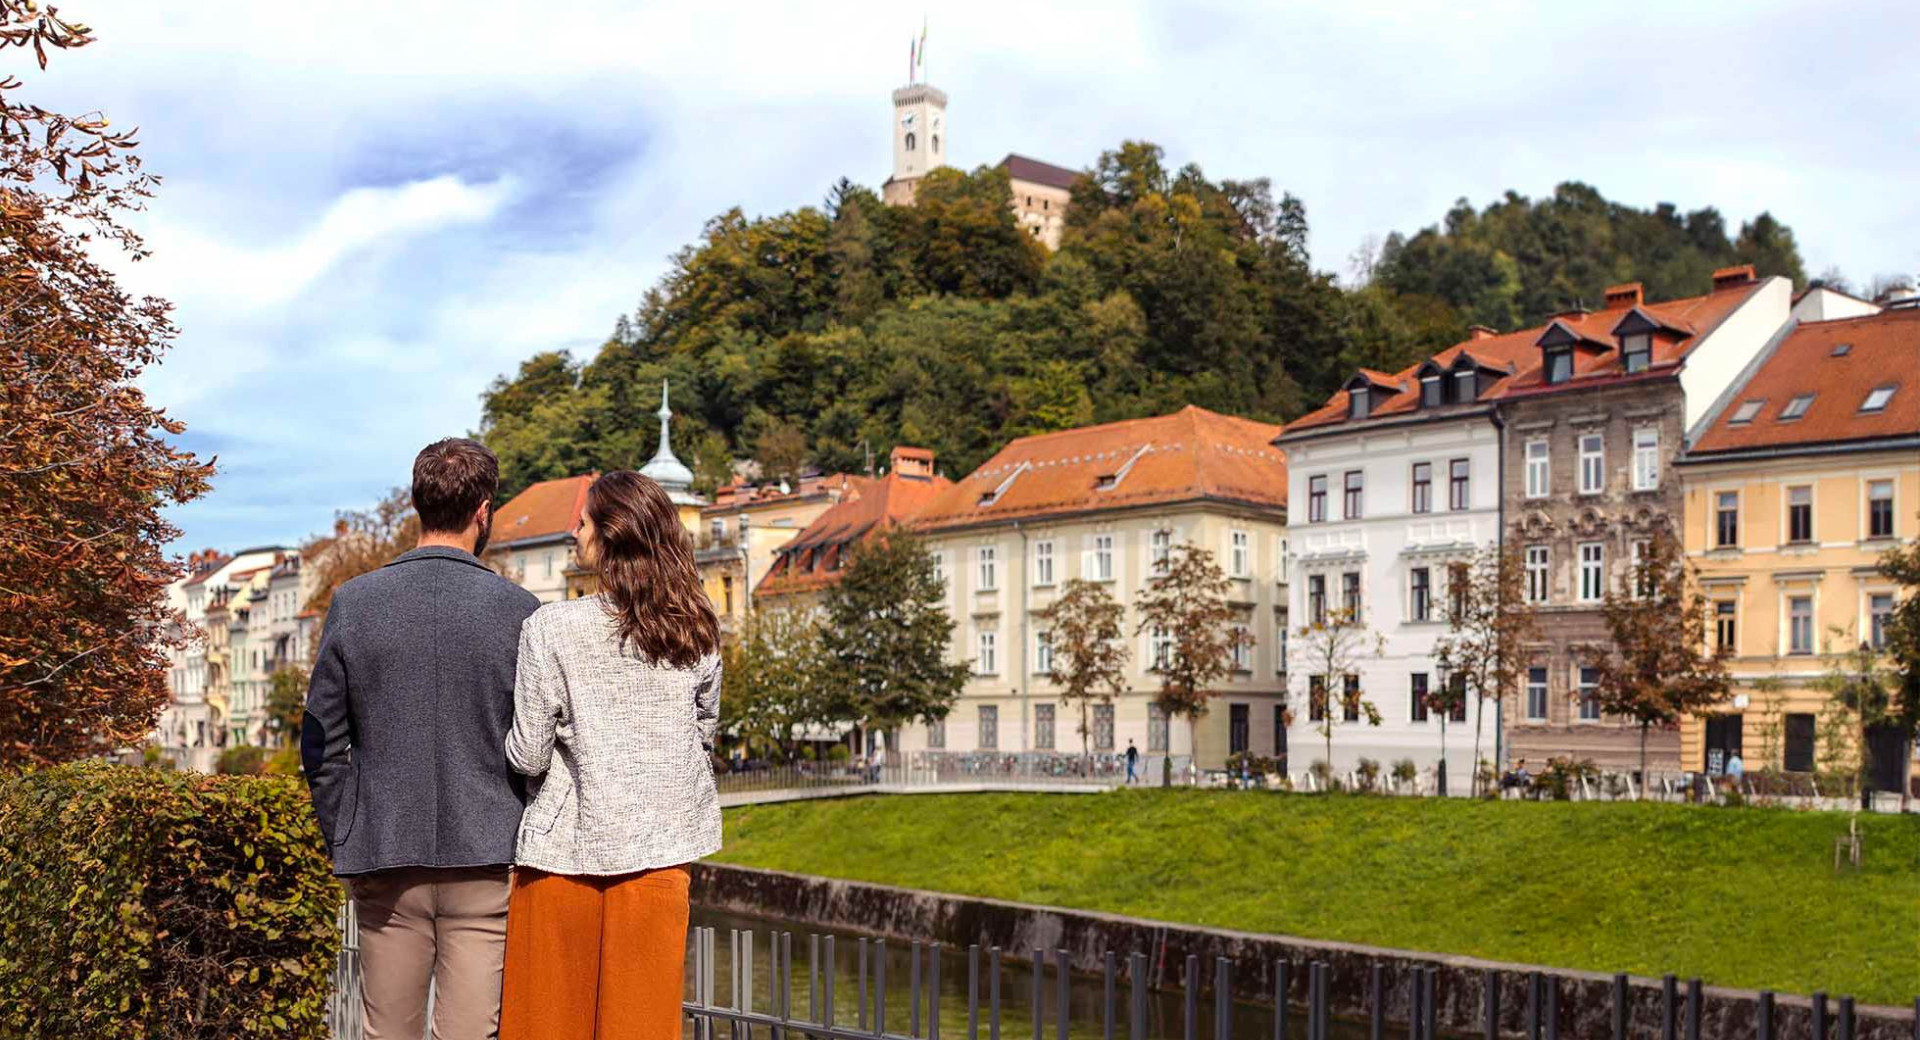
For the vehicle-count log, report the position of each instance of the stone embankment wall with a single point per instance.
(1585, 998)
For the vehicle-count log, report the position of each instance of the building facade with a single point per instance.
(1796, 484)
(809, 563)
(1107, 503)
(745, 526)
(1591, 425)
(1039, 191)
(194, 726)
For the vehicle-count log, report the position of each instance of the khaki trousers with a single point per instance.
(596, 958)
(421, 926)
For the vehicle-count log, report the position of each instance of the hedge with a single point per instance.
(145, 903)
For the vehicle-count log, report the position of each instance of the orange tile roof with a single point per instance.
(1882, 350)
(1189, 455)
(811, 560)
(1681, 324)
(735, 497)
(549, 509)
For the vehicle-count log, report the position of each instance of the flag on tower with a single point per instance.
(921, 60)
(913, 60)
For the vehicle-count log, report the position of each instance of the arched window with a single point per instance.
(936, 144)
(909, 140)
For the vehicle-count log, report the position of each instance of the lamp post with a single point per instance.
(1866, 691)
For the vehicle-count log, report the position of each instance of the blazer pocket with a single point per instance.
(540, 819)
(346, 804)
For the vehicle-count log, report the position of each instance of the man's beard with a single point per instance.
(486, 531)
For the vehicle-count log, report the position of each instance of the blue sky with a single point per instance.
(369, 214)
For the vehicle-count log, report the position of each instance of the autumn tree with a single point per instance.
(1657, 667)
(1332, 647)
(1902, 635)
(1483, 654)
(362, 540)
(775, 681)
(1085, 631)
(1184, 606)
(86, 466)
(886, 633)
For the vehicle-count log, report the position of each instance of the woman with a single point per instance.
(615, 706)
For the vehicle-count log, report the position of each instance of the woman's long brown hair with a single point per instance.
(647, 574)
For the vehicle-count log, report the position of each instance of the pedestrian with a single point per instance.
(402, 745)
(615, 713)
(1133, 762)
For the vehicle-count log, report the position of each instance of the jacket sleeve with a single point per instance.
(536, 704)
(706, 704)
(326, 729)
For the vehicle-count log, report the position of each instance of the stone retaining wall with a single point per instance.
(1585, 998)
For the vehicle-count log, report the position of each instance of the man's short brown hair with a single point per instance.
(450, 480)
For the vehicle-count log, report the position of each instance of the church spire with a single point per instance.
(665, 468)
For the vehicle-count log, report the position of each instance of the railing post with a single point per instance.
(1552, 983)
(1490, 999)
(1846, 1018)
(1533, 1005)
(1431, 1005)
(913, 986)
(1376, 1001)
(1137, 988)
(933, 993)
(1819, 1016)
(1669, 998)
(1763, 1025)
(1415, 992)
(1280, 1008)
(860, 1012)
(1039, 993)
(1108, 968)
(1192, 987)
(973, 992)
(813, 979)
(1620, 1007)
(1694, 1009)
(828, 971)
(993, 993)
(880, 987)
(1222, 1000)
(1062, 993)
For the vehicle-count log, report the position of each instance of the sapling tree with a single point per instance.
(1085, 633)
(1185, 606)
(1484, 651)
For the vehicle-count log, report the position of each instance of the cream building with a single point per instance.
(1107, 503)
(745, 527)
(193, 726)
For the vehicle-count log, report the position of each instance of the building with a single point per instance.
(744, 528)
(673, 476)
(1797, 481)
(1393, 479)
(1039, 191)
(1107, 503)
(193, 726)
(810, 562)
(1592, 422)
(533, 535)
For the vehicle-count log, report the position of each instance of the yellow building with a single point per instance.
(1796, 484)
(745, 526)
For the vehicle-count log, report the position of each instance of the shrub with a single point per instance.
(839, 754)
(1367, 776)
(162, 905)
(1404, 771)
(1561, 775)
(242, 760)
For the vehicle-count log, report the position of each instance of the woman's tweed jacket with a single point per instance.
(624, 745)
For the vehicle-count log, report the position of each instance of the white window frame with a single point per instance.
(1240, 553)
(986, 660)
(1159, 648)
(1243, 649)
(1539, 570)
(1543, 690)
(1592, 572)
(986, 568)
(1539, 457)
(1646, 458)
(1043, 562)
(1159, 551)
(940, 569)
(1593, 463)
(1582, 690)
(1042, 652)
(1100, 558)
(1866, 507)
(1813, 615)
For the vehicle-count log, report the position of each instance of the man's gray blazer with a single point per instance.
(408, 712)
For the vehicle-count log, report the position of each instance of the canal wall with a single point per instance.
(1585, 998)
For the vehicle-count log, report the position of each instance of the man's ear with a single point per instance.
(479, 518)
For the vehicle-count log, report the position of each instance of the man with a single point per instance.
(404, 748)
(1133, 760)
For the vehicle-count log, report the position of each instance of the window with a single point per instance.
(1102, 560)
(1877, 398)
(1360, 402)
(1537, 694)
(1638, 351)
(937, 735)
(1243, 650)
(1156, 728)
(718, 530)
(1043, 563)
(1465, 386)
(989, 738)
(940, 570)
(1317, 499)
(1643, 578)
(1745, 413)
(1280, 733)
(1796, 408)
(1316, 698)
(1879, 616)
(549, 565)
(1237, 729)
(1103, 727)
(1537, 573)
(1726, 519)
(1159, 648)
(1458, 697)
(1350, 596)
(1317, 599)
(1042, 652)
(986, 660)
(1880, 509)
(1800, 514)
(1350, 699)
(1423, 487)
(1560, 365)
(1417, 696)
(1420, 595)
(1726, 631)
(1280, 639)
(1457, 473)
(1799, 756)
(1160, 551)
(1240, 554)
(989, 572)
(1593, 573)
(1355, 491)
(1043, 727)
(1589, 694)
(936, 144)
(1646, 459)
(1537, 468)
(1593, 463)
(1430, 392)
(1800, 625)
(912, 141)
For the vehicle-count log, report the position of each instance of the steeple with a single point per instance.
(665, 468)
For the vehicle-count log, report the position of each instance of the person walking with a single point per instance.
(615, 712)
(410, 699)
(1133, 761)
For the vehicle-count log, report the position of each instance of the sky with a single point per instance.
(372, 208)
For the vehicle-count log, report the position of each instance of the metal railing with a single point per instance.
(935, 768)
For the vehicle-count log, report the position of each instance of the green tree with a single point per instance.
(1332, 648)
(886, 632)
(1085, 629)
(777, 681)
(1185, 607)
(1902, 634)
(1860, 699)
(286, 702)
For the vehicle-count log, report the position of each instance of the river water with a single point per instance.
(1166, 1010)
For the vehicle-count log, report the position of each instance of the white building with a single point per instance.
(192, 728)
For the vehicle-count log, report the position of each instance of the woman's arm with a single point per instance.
(536, 704)
(706, 704)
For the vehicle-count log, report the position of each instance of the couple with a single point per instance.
(512, 791)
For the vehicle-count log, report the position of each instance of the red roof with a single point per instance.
(549, 509)
(1021, 168)
(812, 559)
(1880, 350)
(734, 497)
(209, 569)
(1190, 455)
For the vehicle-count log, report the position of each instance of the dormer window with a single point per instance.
(1559, 364)
(1431, 392)
(1877, 398)
(1465, 388)
(1359, 402)
(1637, 349)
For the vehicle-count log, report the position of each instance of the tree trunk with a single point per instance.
(1473, 784)
(1086, 740)
(1643, 758)
(1443, 751)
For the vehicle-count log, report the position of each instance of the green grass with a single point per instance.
(1739, 897)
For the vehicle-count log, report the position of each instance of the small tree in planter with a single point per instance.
(1332, 649)
(1085, 628)
(1483, 654)
(1188, 601)
(1860, 699)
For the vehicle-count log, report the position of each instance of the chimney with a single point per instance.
(340, 527)
(1733, 277)
(915, 463)
(1620, 297)
(1480, 332)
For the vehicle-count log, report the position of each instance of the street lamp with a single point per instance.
(1860, 705)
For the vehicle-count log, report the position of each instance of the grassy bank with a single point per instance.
(1742, 897)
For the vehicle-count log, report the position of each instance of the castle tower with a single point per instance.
(919, 139)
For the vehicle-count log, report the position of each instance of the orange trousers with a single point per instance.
(595, 958)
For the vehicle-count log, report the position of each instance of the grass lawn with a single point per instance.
(1741, 897)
